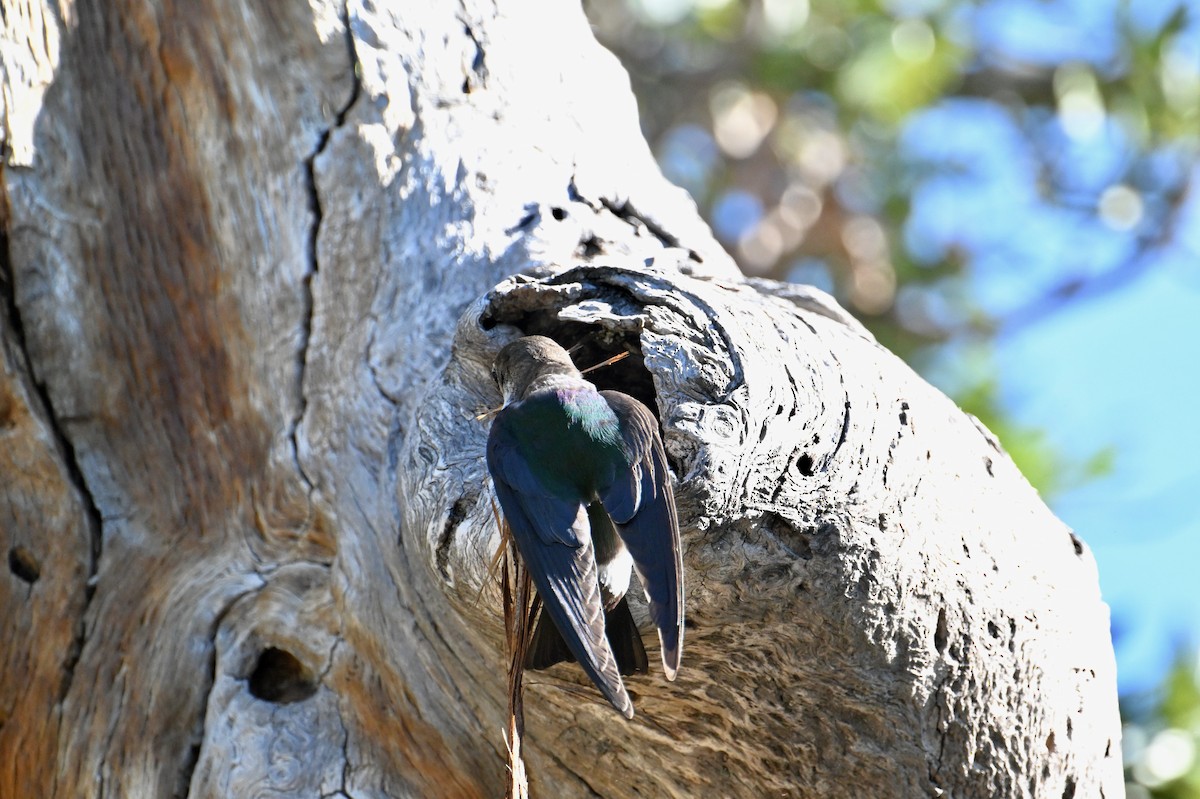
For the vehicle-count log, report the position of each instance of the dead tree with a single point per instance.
(247, 268)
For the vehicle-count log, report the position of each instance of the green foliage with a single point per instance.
(816, 163)
(947, 184)
(900, 69)
(1162, 737)
(1041, 463)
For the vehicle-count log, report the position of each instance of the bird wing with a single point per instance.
(642, 505)
(552, 535)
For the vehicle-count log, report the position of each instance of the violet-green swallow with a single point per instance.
(582, 478)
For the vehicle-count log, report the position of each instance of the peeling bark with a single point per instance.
(256, 261)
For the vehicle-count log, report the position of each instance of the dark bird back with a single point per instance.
(582, 478)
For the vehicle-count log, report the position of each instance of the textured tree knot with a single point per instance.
(24, 565)
(280, 677)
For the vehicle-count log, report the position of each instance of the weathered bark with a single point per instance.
(247, 256)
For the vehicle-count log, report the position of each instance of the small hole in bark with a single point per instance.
(1050, 744)
(590, 247)
(993, 630)
(1069, 790)
(280, 678)
(987, 464)
(805, 465)
(1075, 542)
(22, 563)
(941, 634)
(558, 213)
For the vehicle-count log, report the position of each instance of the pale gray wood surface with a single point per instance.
(247, 275)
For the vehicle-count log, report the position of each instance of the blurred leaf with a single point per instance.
(721, 20)
(975, 147)
(1173, 709)
(1033, 455)
(891, 87)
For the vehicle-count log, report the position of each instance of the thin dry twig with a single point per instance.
(516, 589)
(488, 413)
(620, 356)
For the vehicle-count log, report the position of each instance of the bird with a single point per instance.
(582, 478)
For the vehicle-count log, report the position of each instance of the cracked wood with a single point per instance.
(248, 267)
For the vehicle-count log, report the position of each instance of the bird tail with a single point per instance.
(625, 640)
(547, 647)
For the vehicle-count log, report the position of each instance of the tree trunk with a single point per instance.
(246, 327)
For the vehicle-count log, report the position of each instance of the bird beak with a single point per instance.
(488, 413)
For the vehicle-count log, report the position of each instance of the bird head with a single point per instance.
(526, 360)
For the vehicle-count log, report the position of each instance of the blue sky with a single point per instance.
(1122, 369)
(1037, 197)
(1115, 369)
